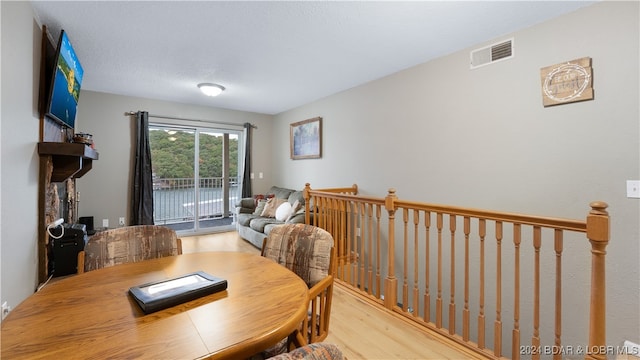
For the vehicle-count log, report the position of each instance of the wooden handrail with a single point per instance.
(559, 223)
(351, 190)
(440, 249)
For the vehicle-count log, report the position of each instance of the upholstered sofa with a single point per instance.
(256, 216)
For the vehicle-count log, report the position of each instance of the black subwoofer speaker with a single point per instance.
(63, 255)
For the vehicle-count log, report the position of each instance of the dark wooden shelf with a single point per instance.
(70, 160)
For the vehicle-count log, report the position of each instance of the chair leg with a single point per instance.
(80, 262)
(297, 339)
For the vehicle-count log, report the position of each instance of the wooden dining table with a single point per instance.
(92, 315)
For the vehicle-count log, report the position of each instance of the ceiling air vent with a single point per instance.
(492, 53)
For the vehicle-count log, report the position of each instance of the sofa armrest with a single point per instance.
(246, 203)
(245, 206)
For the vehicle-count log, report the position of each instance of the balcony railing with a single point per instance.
(490, 282)
(174, 199)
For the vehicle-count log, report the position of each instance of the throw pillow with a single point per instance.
(259, 197)
(271, 206)
(256, 199)
(283, 211)
(260, 207)
(294, 209)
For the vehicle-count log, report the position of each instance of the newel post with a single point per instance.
(307, 200)
(391, 283)
(598, 234)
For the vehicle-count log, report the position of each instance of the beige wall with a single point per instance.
(437, 132)
(442, 133)
(19, 134)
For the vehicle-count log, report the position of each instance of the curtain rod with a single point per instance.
(186, 119)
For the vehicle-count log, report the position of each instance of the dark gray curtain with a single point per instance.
(142, 201)
(246, 176)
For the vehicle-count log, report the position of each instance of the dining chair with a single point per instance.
(316, 351)
(309, 252)
(128, 244)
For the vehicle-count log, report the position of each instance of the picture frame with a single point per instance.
(567, 82)
(159, 295)
(306, 139)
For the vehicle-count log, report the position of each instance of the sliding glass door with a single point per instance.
(195, 177)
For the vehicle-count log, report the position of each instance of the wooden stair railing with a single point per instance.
(424, 270)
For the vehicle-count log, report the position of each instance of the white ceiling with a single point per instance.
(272, 56)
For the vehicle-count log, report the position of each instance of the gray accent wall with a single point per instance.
(442, 133)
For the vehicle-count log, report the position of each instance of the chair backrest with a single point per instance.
(317, 351)
(309, 252)
(128, 244)
(304, 249)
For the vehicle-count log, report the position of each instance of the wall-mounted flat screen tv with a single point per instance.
(65, 84)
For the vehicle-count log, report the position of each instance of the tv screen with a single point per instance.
(65, 86)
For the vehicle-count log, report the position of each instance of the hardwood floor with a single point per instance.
(359, 329)
(226, 241)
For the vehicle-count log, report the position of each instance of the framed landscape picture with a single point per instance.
(306, 139)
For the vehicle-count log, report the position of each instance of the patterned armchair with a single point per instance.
(309, 252)
(317, 351)
(128, 244)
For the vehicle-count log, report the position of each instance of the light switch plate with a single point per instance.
(105, 223)
(633, 189)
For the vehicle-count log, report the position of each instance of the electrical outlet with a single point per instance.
(5, 310)
(121, 221)
(105, 223)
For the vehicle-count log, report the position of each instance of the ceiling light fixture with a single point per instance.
(210, 89)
